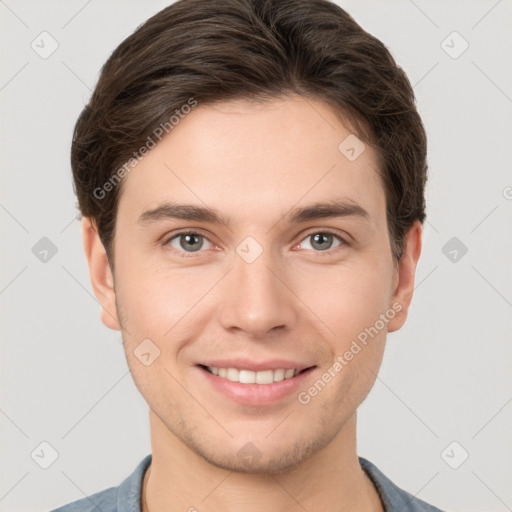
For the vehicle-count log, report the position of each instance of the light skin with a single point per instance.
(304, 299)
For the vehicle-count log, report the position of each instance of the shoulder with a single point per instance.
(125, 497)
(106, 501)
(394, 498)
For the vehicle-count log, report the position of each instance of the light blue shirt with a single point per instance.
(127, 496)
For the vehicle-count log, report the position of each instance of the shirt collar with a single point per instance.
(130, 491)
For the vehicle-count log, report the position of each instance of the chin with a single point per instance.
(254, 458)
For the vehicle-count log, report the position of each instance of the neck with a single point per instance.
(178, 479)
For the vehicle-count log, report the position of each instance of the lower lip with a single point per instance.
(256, 394)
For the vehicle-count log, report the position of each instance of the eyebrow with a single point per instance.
(190, 212)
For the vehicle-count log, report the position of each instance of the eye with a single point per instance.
(188, 242)
(322, 241)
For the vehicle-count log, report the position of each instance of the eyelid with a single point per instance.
(166, 239)
(325, 231)
(186, 231)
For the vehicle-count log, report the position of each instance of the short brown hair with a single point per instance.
(218, 50)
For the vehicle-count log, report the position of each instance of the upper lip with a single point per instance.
(256, 366)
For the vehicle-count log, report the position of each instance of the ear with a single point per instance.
(100, 273)
(403, 285)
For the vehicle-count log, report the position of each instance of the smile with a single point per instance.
(255, 383)
(253, 377)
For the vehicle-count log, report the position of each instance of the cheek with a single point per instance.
(163, 303)
(155, 301)
(347, 299)
(153, 308)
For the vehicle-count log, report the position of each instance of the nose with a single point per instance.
(256, 298)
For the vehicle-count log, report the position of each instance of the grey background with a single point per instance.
(446, 374)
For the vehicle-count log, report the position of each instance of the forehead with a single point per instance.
(253, 158)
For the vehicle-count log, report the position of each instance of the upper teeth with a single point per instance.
(250, 377)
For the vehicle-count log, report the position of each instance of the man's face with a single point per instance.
(267, 290)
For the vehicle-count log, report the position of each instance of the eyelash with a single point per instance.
(185, 254)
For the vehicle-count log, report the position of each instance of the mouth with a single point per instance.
(255, 385)
(263, 377)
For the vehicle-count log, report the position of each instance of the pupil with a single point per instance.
(321, 241)
(322, 238)
(188, 241)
